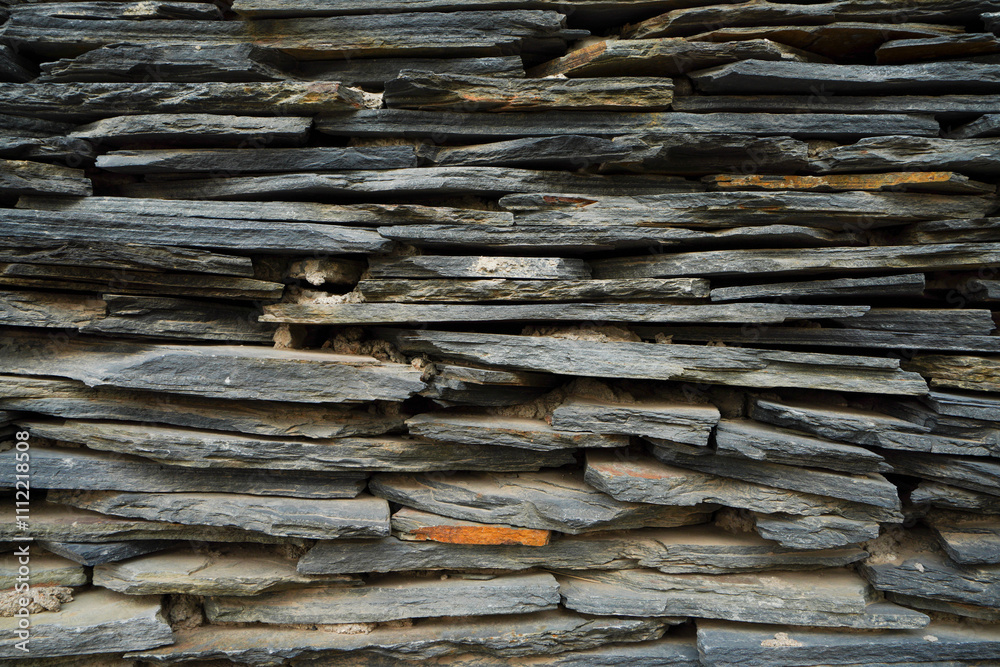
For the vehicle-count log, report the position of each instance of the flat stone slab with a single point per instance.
(836, 598)
(96, 621)
(978, 157)
(544, 500)
(967, 539)
(97, 553)
(80, 468)
(938, 494)
(814, 532)
(233, 160)
(392, 598)
(686, 363)
(363, 516)
(372, 73)
(942, 182)
(51, 522)
(862, 488)
(959, 372)
(194, 129)
(750, 645)
(976, 474)
(444, 266)
(679, 422)
(482, 429)
(90, 101)
(414, 525)
(429, 91)
(307, 457)
(443, 290)
(532, 634)
(638, 478)
(46, 570)
(233, 572)
(702, 549)
(224, 371)
(911, 284)
(75, 400)
(21, 177)
(761, 442)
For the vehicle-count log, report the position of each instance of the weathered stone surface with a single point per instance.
(869, 488)
(660, 57)
(690, 20)
(953, 608)
(797, 78)
(443, 266)
(967, 539)
(19, 177)
(479, 126)
(941, 182)
(197, 129)
(977, 474)
(431, 290)
(932, 575)
(13, 67)
(97, 553)
(417, 34)
(482, 429)
(932, 257)
(963, 46)
(760, 442)
(952, 105)
(179, 63)
(743, 367)
(51, 522)
(43, 309)
(973, 373)
(90, 101)
(233, 161)
(754, 645)
(233, 571)
(224, 371)
(311, 518)
(209, 233)
(414, 525)
(591, 238)
(732, 209)
(546, 500)
(96, 621)
(157, 9)
(485, 181)
(837, 598)
(390, 313)
(565, 150)
(428, 91)
(679, 422)
(210, 450)
(646, 480)
(950, 231)
(814, 532)
(852, 41)
(349, 215)
(59, 468)
(71, 399)
(46, 570)
(943, 495)
(966, 156)
(122, 256)
(706, 549)
(864, 427)
(987, 125)
(372, 73)
(911, 284)
(392, 598)
(711, 152)
(532, 634)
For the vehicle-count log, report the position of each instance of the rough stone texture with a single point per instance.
(900, 285)
(706, 549)
(391, 598)
(234, 161)
(362, 516)
(968, 539)
(19, 177)
(410, 524)
(814, 532)
(46, 570)
(233, 572)
(430, 290)
(544, 500)
(966, 156)
(476, 429)
(690, 424)
(96, 621)
(533, 634)
(97, 553)
(219, 452)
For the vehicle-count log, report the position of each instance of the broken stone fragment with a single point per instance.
(814, 532)
(46, 570)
